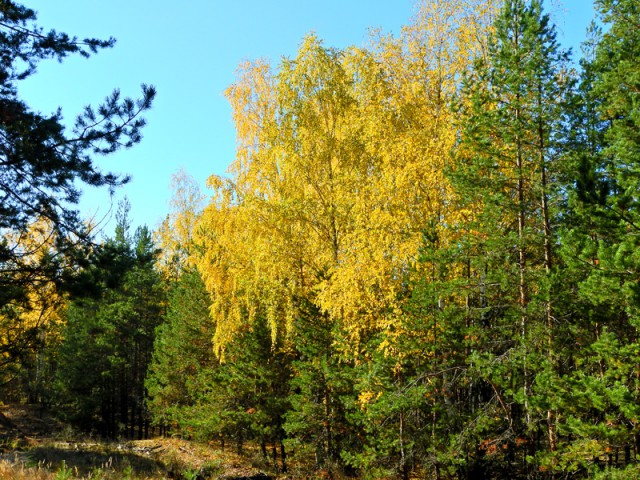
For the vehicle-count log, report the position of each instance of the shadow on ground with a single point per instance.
(83, 462)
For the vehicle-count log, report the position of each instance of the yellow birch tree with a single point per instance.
(339, 167)
(32, 321)
(174, 236)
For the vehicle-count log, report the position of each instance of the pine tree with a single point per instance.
(108, 339)
(321, 389)
(252, 389)
(600, 245)
(507, 174)
(183, 361)
(41, 165)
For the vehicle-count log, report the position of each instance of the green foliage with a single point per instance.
(253, 387)
(194, 394)
(183, 361)
(321, 394)
(631, 472)
(64, 472)
(510, 177)
(108, 338)
(600, 384)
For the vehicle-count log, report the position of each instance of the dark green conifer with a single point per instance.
(508, 174)
(600, 245)
(183, 364)
(108, 340)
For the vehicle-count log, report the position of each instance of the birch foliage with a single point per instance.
(339, 166)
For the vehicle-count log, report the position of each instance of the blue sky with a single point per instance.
(190, 51)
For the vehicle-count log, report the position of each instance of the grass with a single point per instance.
(13, 471)
(155, 459)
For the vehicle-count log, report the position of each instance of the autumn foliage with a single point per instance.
(422, 263)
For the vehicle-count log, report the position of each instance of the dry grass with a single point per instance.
(35, 446)
(12, 471)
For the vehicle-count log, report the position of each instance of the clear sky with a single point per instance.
(190, 51)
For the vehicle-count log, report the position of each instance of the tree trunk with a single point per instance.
(283, 458)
